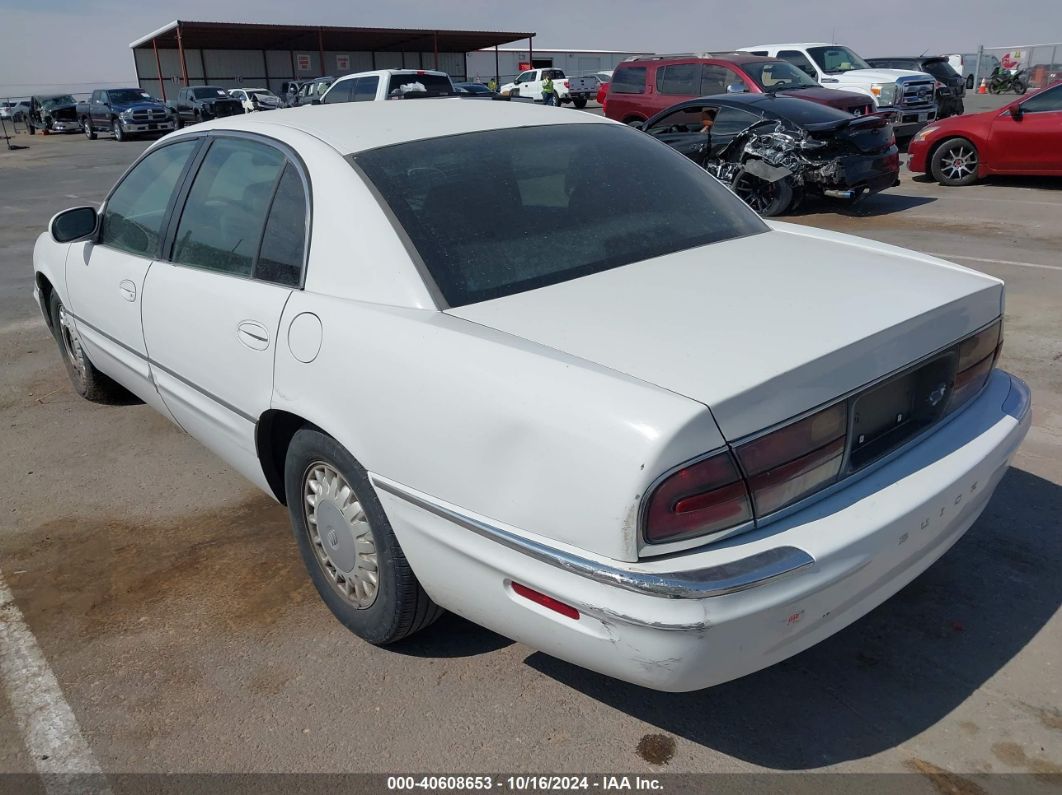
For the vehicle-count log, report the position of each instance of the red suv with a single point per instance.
(642, 87)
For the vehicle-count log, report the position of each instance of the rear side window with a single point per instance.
(683, 79)
(226, 208)
(340, 92)
(419, 83)
(490, 216)
(365, 90)
(284, 241)
(136, 211)
(941, 70)
(629, 80)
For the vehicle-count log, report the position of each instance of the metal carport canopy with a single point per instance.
(259, 36)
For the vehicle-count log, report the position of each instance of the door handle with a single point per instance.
(253, 334)
(127, 289)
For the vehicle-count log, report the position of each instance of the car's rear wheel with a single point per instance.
(955, 163)
(766, 198)
(88, 382)
(347, 544)
(579, 103)
(86, 127)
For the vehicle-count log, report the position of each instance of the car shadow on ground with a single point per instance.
(451, 636)
(892, 674)
(878, 204)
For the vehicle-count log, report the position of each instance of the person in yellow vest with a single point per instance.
(492, 85)
(549, 94)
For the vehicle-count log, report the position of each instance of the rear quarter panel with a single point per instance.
(486, 421)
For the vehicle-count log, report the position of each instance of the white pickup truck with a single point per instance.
(909, 96)
(529, 85)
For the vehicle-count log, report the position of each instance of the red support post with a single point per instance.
(158, 67)
(180, 49)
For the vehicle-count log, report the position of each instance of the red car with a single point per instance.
(1025, 137)
(642, 87)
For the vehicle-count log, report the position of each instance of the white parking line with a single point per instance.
(48, 727)
(1000, 262)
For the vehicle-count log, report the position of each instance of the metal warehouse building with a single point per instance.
(231, 54)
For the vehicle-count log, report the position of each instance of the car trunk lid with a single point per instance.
(759, 328)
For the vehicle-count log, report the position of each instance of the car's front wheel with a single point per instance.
(955, 163)
(347, 544)
(116, 128)
(88, 382)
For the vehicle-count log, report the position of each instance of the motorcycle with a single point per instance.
(1003, 80)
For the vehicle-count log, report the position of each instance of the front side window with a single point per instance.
(835, 60)
(1048, 100)
(340, 92)
(365, 90)
(800, 61)
(490, 216)
(225, 211)
(629, 80)
(778, 76)
(716, 79)
(134, 215)
(682, 79)
(526, 77)
(731, 121)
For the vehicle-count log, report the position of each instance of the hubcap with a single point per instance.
(959, 162)
(72, 344)
(756, 193)
(340, 535)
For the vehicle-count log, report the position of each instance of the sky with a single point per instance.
(75, 45)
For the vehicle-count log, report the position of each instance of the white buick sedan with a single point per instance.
(541, 370)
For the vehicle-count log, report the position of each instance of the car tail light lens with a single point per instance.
(977, 357)
(566, 84)
(704, 497)
(792, 462)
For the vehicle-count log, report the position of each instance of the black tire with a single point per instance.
(969, 82)
(400, 606)
(767, 198)
(87, 381)
(579, 103)
(197, 117)
(116, 129)
(86, 127)
(960, 107)
(179, 122)
(1020, 86)
(954, 163)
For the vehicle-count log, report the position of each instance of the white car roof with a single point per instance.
(382, 72)
(356, 126)
(790, 46)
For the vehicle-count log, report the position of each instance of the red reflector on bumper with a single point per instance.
(546, 601)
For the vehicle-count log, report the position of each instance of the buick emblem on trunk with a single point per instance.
(937, 394)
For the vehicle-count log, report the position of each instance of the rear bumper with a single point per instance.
(823, 567)
(872, 172)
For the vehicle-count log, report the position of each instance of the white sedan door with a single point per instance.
(211, 312)
(105, 277)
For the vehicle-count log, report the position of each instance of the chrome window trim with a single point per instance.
(726, 578)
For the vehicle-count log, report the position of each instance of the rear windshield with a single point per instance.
(942, 70)
(629, 80)
(413, 83)
(500, 212)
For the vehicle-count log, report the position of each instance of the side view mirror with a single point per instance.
(77, 223)
(736, 88)
(1016, 112)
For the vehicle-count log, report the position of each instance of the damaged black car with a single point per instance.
(53, 113)
(773, 151)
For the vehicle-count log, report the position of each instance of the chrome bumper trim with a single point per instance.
(726, 578)
(1019, 399)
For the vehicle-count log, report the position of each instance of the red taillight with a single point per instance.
(546, 601)
(703, 497)
(977, 357)
(790, 463)
(566, 84)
